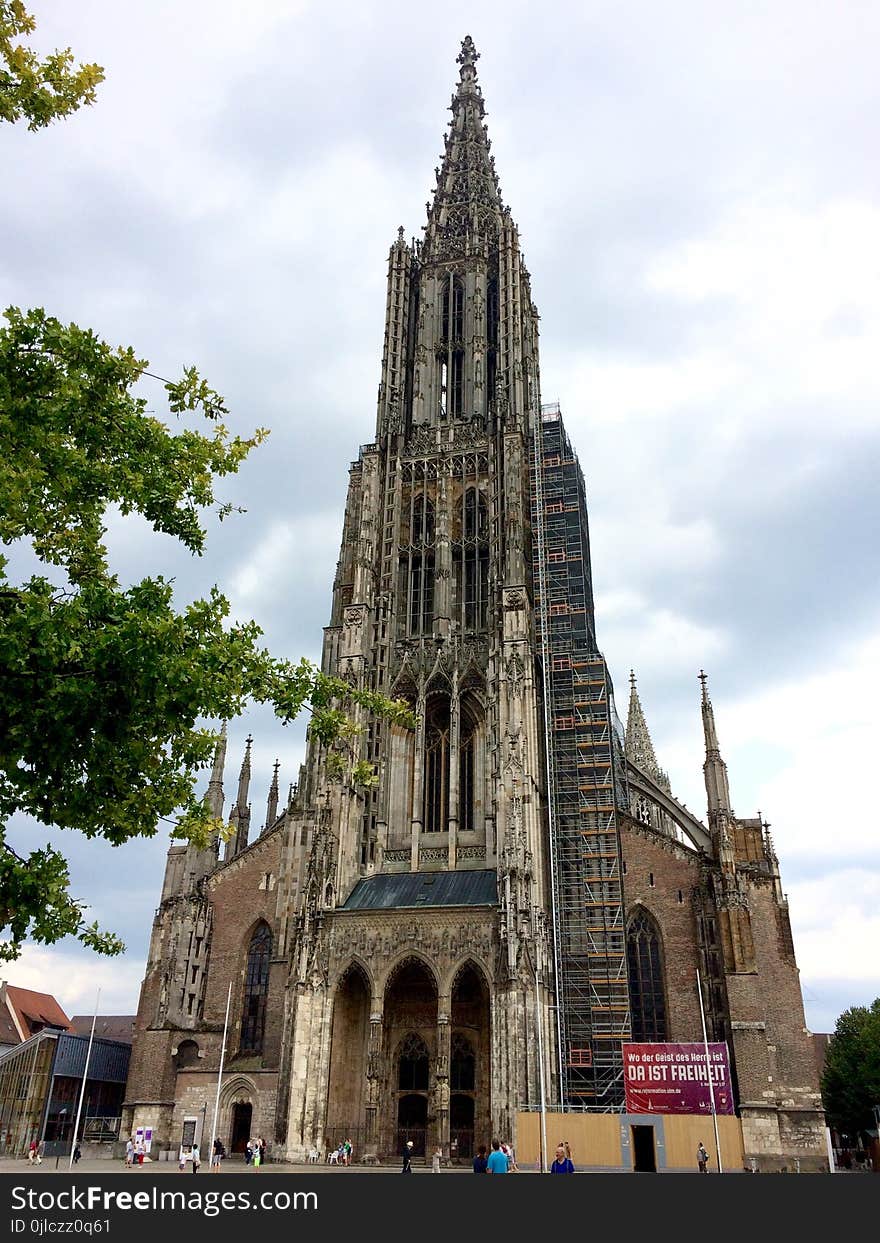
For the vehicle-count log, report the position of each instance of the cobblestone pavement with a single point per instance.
(23, 1167)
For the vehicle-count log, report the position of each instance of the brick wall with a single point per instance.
(675, 871)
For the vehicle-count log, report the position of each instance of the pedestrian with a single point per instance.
(32, 1151)
(702, 1159)
(139, 1152)
(348, 1151)
(261, 1144)
(196, 1158)
(436, 1159)
(129, 1152)
(76, 1155)
(181, 1160)
(407, 1157)
(512, 1167)
(563, 1163)
(497, 1163)
(480, 1160)
(256, 1155)
(218, 1152)
(249, 1152)
(41, 1149)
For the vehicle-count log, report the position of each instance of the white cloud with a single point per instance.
(299, 551)
(73, 978)
(804, 317)
(650, 637)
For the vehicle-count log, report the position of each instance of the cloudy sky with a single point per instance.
(697, 191)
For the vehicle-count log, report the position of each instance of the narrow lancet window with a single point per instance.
(437, 736)
(645, 969)
(256, 989)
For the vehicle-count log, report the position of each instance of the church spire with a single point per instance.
(272, 804)
(639, 747)
(714, 768)
(467, 198)
(241, 812)
(214, 796)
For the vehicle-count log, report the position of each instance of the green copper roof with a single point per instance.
(393, 890)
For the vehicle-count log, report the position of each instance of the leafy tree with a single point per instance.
(103, 688)
(40, 91)
(851, 1081)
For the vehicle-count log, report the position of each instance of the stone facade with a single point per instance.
(387, 955)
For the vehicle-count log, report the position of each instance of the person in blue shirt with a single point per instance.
(497, 1163)
(563, 1163)
(481, 1161)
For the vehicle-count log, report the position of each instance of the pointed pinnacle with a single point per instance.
(468, 56)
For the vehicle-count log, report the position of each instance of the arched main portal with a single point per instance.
(348, 1057)
(469, 1073)
(240, 1126)
(410, 1041)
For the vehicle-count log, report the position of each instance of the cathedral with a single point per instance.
(469, 944)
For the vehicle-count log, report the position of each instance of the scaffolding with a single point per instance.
(586, 785)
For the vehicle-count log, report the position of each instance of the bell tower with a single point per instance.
(433, 603)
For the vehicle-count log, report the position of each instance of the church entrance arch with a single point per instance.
(461, 1125)
(469, 1070)
(242, 1115)
(348, 1058)
(412, 1124)
(410, 1041)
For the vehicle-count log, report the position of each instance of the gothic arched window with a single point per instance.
(466, 775)
(450, 356)
(420, 568)
(471, 560)
(462, 1065)
(422, 526)
(491, 338)
(457, 308)
(452, 309)
(437, 733)
(413, 1064)
(456, 388)
(256, 988)
(645, 969)
(492, 312)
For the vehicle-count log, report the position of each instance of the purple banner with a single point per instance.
(674, 1079)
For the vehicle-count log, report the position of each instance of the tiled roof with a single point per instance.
(107, 1026)
(35, 1010)
(393, 890)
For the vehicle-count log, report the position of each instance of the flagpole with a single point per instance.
(220, 1073)
(709, 1073)
(541, 1072)
(82, 1090)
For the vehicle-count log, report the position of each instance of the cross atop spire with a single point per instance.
(468, 56)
